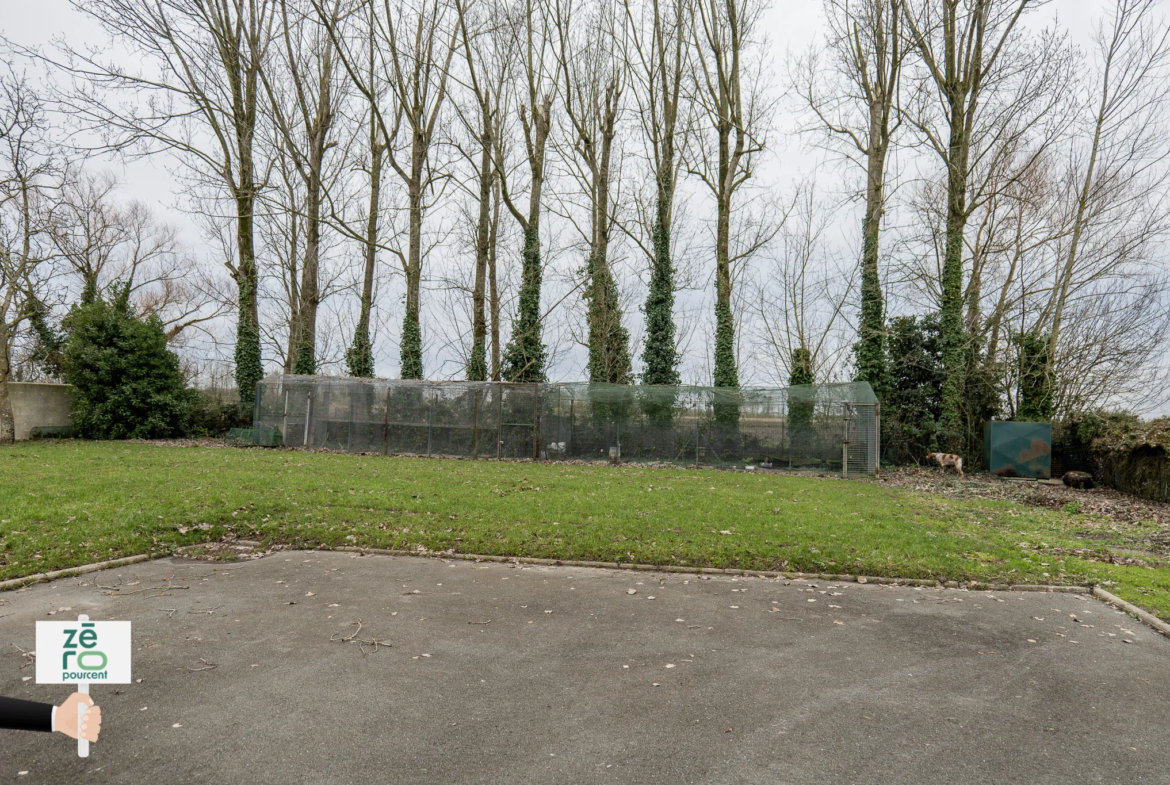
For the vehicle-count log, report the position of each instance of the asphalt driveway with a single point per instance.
(257, 672)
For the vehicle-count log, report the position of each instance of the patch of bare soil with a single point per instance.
(223, 550)
(1109, 513)
(201, 442)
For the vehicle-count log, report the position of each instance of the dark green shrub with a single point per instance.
(126, 383)
(913, 405)
(213, 414)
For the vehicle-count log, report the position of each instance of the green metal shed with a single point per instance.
(1018, 449)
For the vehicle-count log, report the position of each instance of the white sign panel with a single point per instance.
(83, 652)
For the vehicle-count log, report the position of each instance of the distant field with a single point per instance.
(68, 503)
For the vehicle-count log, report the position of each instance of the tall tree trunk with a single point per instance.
(726, 373)
(412, 366)
(477, 363)
(310, 271)
(659, 357)
(609, 352)
(871, 348)
(525, 355)
(7, 422)
(360, 357)
(493, 286)
(953, 334)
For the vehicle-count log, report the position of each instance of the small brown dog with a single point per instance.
(946, 459)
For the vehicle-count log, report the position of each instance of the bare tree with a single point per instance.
(855, 99)
(594, 73)
(197, 97)
(116, 249)
(302, 90)
(730, 91)
(799, 303)
(414, 69)
(486, 50)
(991, 83)
(661, 33)
(525, 356)
(28, 172)
(1124, 160)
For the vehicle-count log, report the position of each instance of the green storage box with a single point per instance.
(1018, 449)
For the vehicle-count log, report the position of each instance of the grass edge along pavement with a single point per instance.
(69, 503)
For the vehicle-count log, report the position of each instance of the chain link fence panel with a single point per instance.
(828, 427)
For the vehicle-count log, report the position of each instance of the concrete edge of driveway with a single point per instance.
(819, 576)
(16, 583)
(1132, 610)
(1144, 616)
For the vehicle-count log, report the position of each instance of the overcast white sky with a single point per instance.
(792, 24)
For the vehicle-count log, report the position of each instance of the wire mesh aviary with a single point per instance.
(823, 426)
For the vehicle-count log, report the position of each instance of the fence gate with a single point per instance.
(860, 440)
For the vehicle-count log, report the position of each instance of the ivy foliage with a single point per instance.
(609, 341)
(411, 348)
(800, 410)
(659, 356)
(359, 357)
(1035, 385)
(869, 353)
(477, 363)
(525, 355)
(249, 370)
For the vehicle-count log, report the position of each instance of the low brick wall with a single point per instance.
(39, 405)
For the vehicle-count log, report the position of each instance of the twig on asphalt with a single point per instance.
(362, 644)
(207, 666)
(30, 657)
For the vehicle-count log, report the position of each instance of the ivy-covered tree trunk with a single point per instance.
(306, 362)
(953, 334)
(609, 354)
(411, 348)
(870, 351)
(801, 403)
(1036, 387)
(525, 354)
(659, 357)
(726, 373)
(249, 369)
(360, 356)
(609, 342)
(477, 370)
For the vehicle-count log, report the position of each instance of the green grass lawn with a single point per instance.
(68, 503)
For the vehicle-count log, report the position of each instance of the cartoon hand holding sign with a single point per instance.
(82, 652)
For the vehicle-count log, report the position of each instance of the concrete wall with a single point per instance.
(36, 405)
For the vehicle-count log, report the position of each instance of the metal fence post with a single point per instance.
(386, 423)
(256, 414)
(499, 418)
(284, 418)
(308, 416)
(877, 438)
(845, 443)
(536, 422)
(475, 428)
(431, 422)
